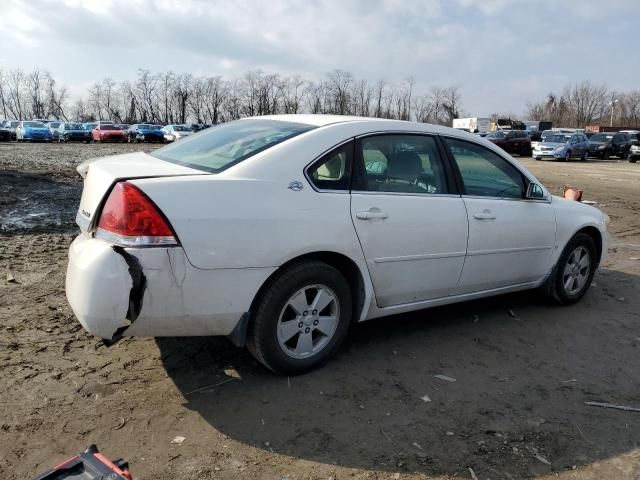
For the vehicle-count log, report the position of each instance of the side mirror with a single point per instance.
(535, 192)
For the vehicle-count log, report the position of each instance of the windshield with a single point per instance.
(230, 143)
(181, 128)
(90, 126)
(34, 125)
(108, 127)
(557, 138)
(495, 135)
(72, 126)
(54, 124)
(601, 137)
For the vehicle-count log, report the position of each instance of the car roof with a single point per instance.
(321, 120)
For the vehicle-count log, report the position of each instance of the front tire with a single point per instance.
(301, 319)
(572, 275)
(585, 156)
(567, 156)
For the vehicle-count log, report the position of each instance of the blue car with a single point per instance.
(562, 146)
(31, 131)
(150, 133)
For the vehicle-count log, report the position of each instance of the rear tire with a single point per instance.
(585, 156)
(573, 274)
(282, 337)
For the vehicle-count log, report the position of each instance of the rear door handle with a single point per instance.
(371, 215)
(484, 215)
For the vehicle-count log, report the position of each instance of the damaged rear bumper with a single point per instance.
(117, 291)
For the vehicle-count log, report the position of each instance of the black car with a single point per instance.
(610, 144)
(5, 132)
(73, 132)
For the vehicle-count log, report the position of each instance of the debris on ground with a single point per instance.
(613, 406)
(473, 474)
(11, 278)
(178, 440)
(425, 398)
(232, 372)
(445, 378)
(542, 459)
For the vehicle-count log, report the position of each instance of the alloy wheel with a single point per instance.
(308, 321)
(576, 271)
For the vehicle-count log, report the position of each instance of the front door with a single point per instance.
(510, 238)
(411, 224)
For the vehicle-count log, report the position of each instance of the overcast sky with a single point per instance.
(501, 53)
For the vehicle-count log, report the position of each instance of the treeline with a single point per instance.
(584, 103)
(170, 97)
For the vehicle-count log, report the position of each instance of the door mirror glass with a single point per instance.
(535, 192)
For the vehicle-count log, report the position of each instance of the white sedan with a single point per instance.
(282, 231)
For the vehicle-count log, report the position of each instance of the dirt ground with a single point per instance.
(522, 368)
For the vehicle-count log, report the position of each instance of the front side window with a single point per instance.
(333, 170)
(400, 163)
(484, 173)
(224, 145)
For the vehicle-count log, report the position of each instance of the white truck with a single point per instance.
(473, 124)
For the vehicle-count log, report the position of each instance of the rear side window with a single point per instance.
(484, 173)
(333, 170)
(400, 163)
(222, 146)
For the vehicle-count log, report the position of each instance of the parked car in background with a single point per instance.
(30, 131)
(5, 132)
(176, 132)
(621, 144)
(440, 210)
(133, 130)
(12, 125)
(634, 149)
(512, 141)
(53, 127)
(122, 126)
(563, 146)
(108, 132)
(608, 144)
(150, 133)
(73, 132)
(89, 126)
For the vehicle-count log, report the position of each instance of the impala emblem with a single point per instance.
(296, 186)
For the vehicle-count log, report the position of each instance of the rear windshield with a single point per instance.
(108, 127)
(225, 145)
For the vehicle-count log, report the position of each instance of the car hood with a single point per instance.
(36, 129)
(151, 132)
(551, 144)
(595, 142)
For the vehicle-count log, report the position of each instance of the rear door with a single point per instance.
(510, 238)
(411, 222)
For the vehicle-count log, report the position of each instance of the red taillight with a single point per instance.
(131, 219)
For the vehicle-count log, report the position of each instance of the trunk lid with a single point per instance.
(101, 173)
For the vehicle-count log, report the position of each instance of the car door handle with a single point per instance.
(371, 215)
(484, 215)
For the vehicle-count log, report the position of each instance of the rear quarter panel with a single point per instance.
(250, 223)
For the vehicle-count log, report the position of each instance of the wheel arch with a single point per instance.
(345, 265)
(596, 235)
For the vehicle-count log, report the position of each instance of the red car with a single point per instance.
(108, 133)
